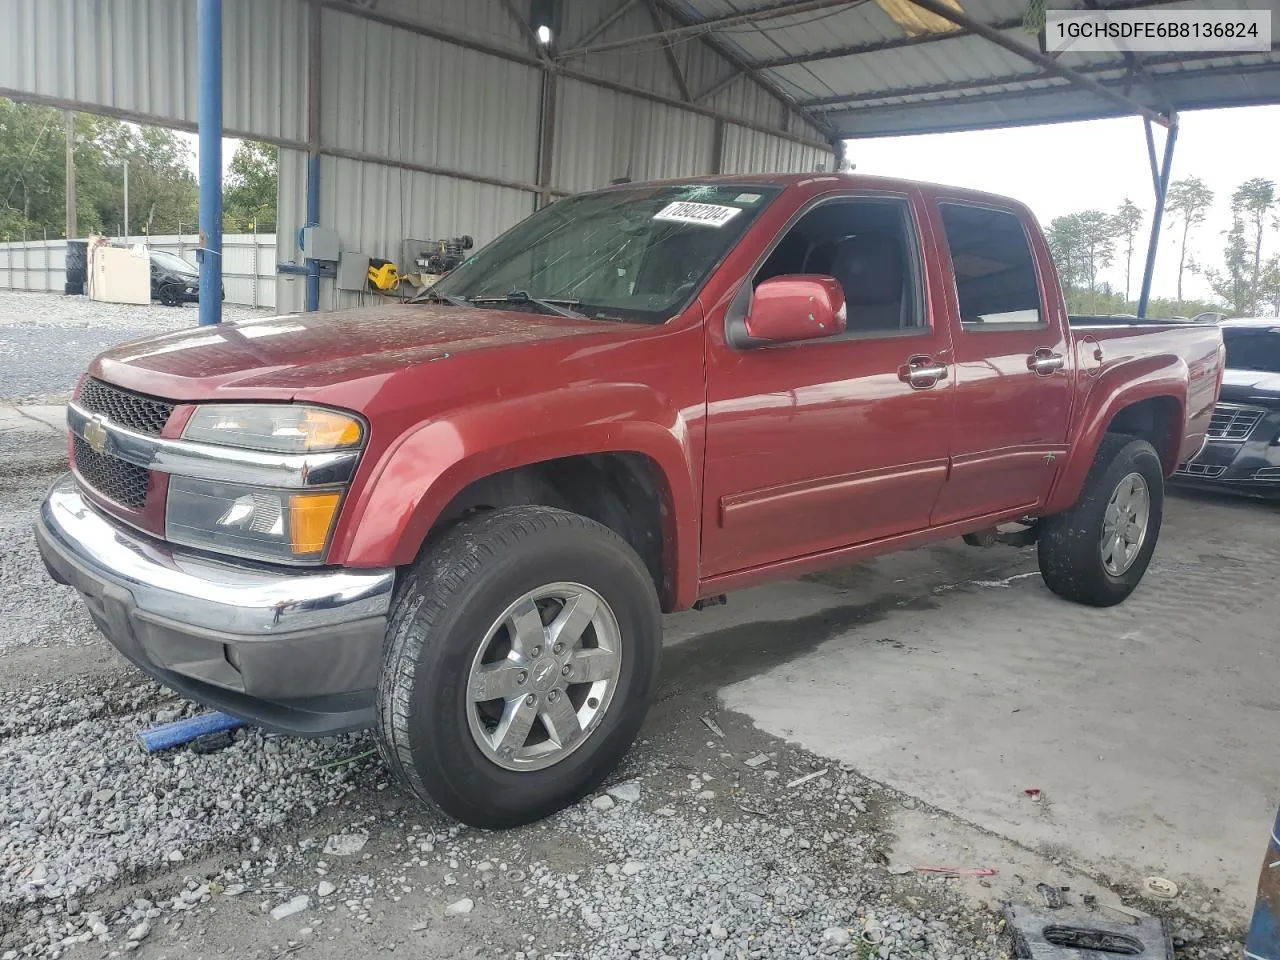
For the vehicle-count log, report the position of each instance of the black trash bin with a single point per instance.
(77, 267)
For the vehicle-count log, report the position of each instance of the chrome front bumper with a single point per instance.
(292, 650)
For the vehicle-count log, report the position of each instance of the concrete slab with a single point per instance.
(52, 415)
(31, 419)
(1150, 728)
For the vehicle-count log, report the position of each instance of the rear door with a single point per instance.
(1013, 363)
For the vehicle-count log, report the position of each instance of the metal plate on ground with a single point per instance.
(1039, 935)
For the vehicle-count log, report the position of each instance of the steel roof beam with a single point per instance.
(689, 28)
(605, 24)
(788, 102)
(957, 86)
(1046, 63)
(667, 49)
(921, 39)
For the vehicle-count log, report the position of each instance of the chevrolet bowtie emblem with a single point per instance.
(95, 434)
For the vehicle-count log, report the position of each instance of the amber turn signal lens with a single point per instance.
(326, 430)
(310, 519)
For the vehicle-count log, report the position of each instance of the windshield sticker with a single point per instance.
(746, 198)
(706, 214)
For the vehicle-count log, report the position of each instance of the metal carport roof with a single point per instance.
(858, 72)
(867, 68)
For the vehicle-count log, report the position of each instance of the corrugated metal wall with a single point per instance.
(139, 56)
(602, 135)
(751, 151)
(404, 97)
(394, 99)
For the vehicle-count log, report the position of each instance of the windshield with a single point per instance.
(636, 253)
(1253, 349)
(170, 261)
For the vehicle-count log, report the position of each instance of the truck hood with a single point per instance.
(277, 357)
(1243, 385)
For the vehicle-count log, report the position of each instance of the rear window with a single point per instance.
(1253, 349)
(996, 281)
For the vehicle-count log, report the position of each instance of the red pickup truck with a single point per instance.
(458, 521)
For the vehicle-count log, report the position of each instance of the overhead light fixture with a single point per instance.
(544, 35)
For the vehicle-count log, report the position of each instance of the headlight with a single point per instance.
(259, 520)
(283, 525)
(274, 428)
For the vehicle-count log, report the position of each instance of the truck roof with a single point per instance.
(851, 181)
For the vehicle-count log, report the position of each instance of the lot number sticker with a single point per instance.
(706, 214)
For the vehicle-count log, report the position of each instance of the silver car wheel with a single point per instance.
(1124, 524)
(543, 676)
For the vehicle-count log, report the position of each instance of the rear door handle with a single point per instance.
(922, 372)
(1045, 362)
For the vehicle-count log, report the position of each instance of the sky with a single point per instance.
(1093, 165)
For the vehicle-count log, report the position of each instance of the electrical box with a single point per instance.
(321, 243)
(353, 271)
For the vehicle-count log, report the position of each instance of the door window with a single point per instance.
(868, 245)
(997, 285)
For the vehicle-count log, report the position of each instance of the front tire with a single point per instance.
(1097, 552)
(521, 655)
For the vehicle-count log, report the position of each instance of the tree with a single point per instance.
(1188, 201)
(251, 186)
(1097, 233)
(1066, 245)
(162, 188)
(1083, 245)
(1232, 282)
(1252, 202)
(1125, 224)
(1269, 285)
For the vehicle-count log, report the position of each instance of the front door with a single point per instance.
(837, 441)
(1013, 365)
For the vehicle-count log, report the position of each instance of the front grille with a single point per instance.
(1209, 471)
(1230, 422)
(117, 480)
(124, 407)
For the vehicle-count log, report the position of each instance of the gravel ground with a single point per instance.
(713, 840)
(47, 339)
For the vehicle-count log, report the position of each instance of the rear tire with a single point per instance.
(457, 615)
(1097, 552)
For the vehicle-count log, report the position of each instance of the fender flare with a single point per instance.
(431, 463)
(1119, 386)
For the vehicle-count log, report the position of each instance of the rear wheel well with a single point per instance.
(625, 492)
(1158, 420)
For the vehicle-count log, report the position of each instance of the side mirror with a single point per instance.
(796, 307)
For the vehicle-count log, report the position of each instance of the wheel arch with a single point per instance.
(628, 476)
(1145, 398)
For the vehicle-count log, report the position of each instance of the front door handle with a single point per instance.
(1044, 362)
(922, 372)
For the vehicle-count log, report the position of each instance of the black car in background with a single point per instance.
(1242, 452)
(174, 281)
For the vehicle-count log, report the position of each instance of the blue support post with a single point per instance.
(1263, 942)
(209, 118)
(1162, 190)
(313, 220)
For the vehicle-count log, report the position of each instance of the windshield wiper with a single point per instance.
(560, 306)
(430, 294)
